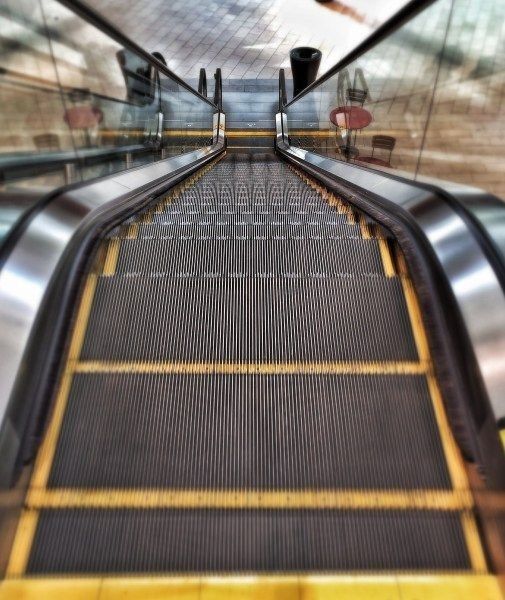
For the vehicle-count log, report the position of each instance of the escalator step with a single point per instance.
(250, 258)
(266, 218)
(189, 541)
(249, 431)
(253, 320)
(225, 228)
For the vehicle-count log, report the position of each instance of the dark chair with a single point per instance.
(380, 142)
(47, 141)
(356, 96)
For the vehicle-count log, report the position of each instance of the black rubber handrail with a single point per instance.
(282, 90)
(202, 83)
(218, 90)
(385, 30)
(89, 15)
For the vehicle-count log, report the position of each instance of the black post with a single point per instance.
(305, 63)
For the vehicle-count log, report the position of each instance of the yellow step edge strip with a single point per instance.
(331, 368)
(443, 586)
(47, 449)
(111, 257)
(20, 550)
(454, 460)
(387, 261)
(446, 500)
(238, 133)
(453, 456)
(473, 542)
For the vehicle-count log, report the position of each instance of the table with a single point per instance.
(350, 118)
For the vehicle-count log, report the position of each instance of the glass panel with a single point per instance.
(77, 105)
(374, 111)
(30, 118)
(465, 139)
(427, 102)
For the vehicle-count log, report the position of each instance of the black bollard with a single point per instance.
(305, 63)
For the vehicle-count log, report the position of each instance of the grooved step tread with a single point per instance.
(238, 319)
(250, 258)
(249, 432)
(202, 541)
(239, 229)
(265, 218)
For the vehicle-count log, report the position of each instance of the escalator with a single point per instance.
(250, 377)
(247, 388)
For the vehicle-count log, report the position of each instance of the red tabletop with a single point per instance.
(83, 117)
(350, 117)
(374, 161)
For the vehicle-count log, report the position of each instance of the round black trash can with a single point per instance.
(305, 63)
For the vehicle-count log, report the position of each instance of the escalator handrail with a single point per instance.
(282, 90)
(386, 29)
(110, 30)
(218, 90)
(202, 83)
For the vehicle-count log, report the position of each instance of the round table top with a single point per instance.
(350, 117)
(83, 117)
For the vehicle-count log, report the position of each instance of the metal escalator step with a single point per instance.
(250, 258)
(257, 209)
(244, 206)
(240, 229)
(266, 219)
(203, 541)
(249, 431)
(249, 320)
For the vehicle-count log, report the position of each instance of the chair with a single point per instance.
(381, 142)
(47, 141)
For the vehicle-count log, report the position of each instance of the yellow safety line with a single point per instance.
(344, 586)
(452, 454)
(473, 542)
(20, 552)
(330, 368)
(363, 225)
(81, 321)
(132, 232)
(414, 311)
(231, 133)
(502, 436)
(453, 457)
(387, 261)
(48, 447)
(111, 258)
(447, 500)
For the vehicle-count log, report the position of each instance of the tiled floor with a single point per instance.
(247, 39)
